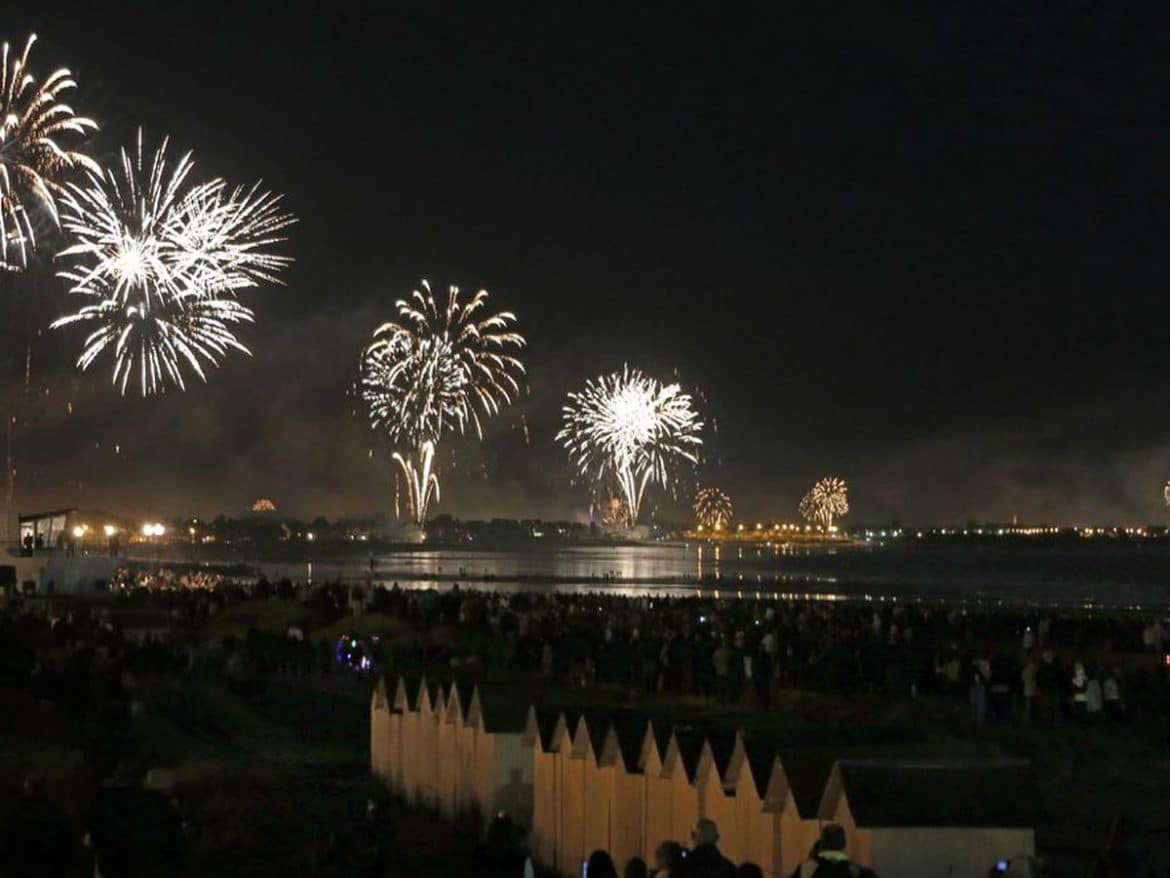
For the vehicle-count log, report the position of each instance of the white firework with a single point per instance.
(826, 500)
(158, 262)
(35, 156)
(712, 509)
(633, 428)
(440, 367)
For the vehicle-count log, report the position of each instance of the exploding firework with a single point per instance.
(1166, 494)
(159, 261)
(439, 367)
(828, 499)
(34, 158)
(712, 509)
(612, 512)
(632, 428)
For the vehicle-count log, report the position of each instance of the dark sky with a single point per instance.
(925, 253)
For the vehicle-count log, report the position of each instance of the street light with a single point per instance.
(110, 530)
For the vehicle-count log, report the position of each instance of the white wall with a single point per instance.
(910, 852)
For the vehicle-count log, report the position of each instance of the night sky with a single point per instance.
(927, 254)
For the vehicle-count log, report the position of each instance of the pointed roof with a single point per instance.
(563, 729)
(499, 708)
(379, 700)
(683, 751)
(539, 726)
(588, 737)
(655, 740)
(455, 712)
(715, 758)
(737, 767)
(425, 699)
(999, 793)
(623, 744)
(465, 692)
(596, 729)
(763, 765)
(406, 694)
(804, 773)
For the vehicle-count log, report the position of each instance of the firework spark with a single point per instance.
(439, 367)
(613, 512)
(712, 509)
(159, 262)
(1166, 494)
(34, 125)
(632, 428)
(826, 500)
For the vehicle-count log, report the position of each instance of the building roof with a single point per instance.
(625, 737)
(567, 724)
(539, 726)
(380, 699)
(465, 692)
(406, 694)
(500, 707)
(38, 516)
(656, 736)
(760, 761)
(969, 793)
(685, 745)
(598, 729)
(722, 746)
(806, 772)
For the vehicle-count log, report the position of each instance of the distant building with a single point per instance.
(61, 551)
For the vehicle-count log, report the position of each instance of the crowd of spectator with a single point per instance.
(166, 578)
(1005, 662)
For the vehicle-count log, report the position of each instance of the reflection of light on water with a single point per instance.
(615, 589)
(672, 569)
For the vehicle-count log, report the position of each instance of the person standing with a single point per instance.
(1111, 692)
(1028, 681)
(668, 860)
(1048, 685)
(1094, 701)
(829, 860)
(705, 860)
(1079, 684)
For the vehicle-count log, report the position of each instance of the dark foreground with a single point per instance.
(260, 742)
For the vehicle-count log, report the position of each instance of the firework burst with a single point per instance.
(608, 507)
(712, 509)
(826, 500)
(440, 367)
(632, 428)
(35, 127)
(159, 261)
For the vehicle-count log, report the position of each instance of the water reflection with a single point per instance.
(1023, 577)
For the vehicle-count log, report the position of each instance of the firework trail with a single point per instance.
(439, 367)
